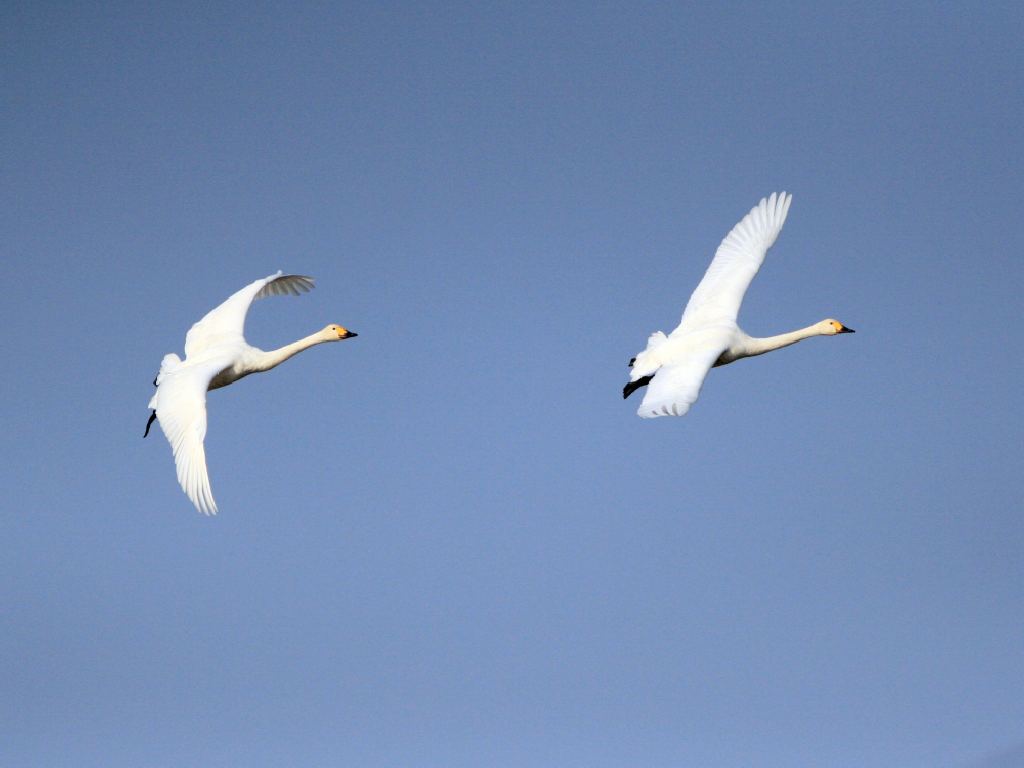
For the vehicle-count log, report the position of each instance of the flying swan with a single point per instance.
(673, 367)
(217, 354)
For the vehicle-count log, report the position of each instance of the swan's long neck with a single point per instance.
(748, 346)
(267, 360)
(756, 346)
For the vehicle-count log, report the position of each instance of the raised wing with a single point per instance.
(676, 385)
(180, 404)
(226, 323)
(720, 293)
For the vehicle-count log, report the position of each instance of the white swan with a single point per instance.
(216, 354)
(673, 367)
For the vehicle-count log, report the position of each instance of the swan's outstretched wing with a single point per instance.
(720, 293)
(677, 383)
(226, 323)
(180, 404)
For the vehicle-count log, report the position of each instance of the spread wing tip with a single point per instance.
(286, 285)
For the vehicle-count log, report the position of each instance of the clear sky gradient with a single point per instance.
(449, 542)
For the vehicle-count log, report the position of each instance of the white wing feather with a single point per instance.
(677, 384)
(180, 404)
(739, 256)
(226, 323)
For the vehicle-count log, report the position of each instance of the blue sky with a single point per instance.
(449, 542)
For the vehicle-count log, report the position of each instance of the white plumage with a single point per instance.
(216, 355)
(673, 367)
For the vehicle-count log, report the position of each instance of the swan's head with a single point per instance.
(832, 327)
(337, 333)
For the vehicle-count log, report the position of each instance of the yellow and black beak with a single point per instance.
(348, 335)
(844, 329)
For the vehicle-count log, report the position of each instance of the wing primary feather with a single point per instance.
(739, 256)
(180, 404)
(285, 285)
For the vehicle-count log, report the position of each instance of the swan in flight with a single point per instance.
(217, 354)
(673, 367)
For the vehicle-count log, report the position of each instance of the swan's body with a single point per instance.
(216, 354)
(673, 367)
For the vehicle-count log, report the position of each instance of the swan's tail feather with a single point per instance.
(648, 361)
